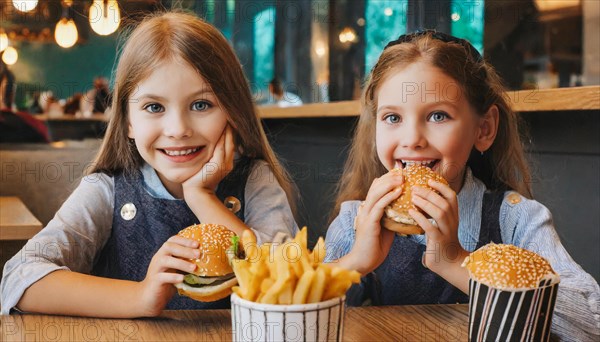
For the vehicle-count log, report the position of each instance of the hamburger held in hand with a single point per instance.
(213, 277)
(396, 217)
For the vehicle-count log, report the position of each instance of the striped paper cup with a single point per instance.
(323, 321)
(520, 315)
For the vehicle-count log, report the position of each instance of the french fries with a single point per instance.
(289, 273)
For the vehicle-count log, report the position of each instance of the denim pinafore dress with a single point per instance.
(400, 280)
(134, 241)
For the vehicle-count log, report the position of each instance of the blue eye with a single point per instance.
(200, 105)
(438, 116)
(392, 119)
(153, 108)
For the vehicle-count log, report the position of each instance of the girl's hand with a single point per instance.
(219, 165)
(443, 246)
(157, 288)
(372, 243)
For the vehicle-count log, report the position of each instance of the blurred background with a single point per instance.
(319, 50)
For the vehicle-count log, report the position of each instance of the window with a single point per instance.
(467, 21)
(385, 20)
(264, 47)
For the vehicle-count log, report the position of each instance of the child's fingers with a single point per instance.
(172, 263)
(436, 206)
(376, 211)
(228, 149)
(427, 206)
(444, 190)
(169, 278)
(219, 151)
(384, 201)
(381, 187)
(395, 173)
(435, 201)
(183, 241)
(443, 218)
(229, 143)
(432, 231)
(223, 136)
(174, 249)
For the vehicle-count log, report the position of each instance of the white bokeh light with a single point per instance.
(105, 16)
(10, 56)
(25, 5)
(65, 33)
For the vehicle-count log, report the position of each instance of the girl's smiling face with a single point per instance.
(176, 121)
(423, 116)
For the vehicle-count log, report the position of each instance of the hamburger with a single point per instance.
(213, 277)
(508, 267)
(396, 217)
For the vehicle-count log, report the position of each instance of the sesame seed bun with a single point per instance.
(214, 241)
(508, 267)
(396, 216)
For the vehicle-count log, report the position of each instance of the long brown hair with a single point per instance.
(502, 167)
(165, 36)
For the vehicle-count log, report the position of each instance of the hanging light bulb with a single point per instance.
(3, 41)
(25, 5)
(10, 55)
(65, 33)
(105, 16)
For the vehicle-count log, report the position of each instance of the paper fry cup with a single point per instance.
(323, 321)
(519, 315)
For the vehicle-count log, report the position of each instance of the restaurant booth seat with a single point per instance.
(42, 176)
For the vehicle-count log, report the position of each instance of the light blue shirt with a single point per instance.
(523, 222)
(73, 239)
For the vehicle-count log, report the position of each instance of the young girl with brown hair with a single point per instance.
(431, 99)
(184, 145)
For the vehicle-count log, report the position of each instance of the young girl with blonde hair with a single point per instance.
(184, 145)
(431, 99)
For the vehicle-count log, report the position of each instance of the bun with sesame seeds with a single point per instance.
(509, 268)
(396, 217)
(512, 294)
(213, 277)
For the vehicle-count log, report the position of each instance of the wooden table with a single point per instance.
(397, 323)
(16, 221)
